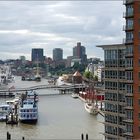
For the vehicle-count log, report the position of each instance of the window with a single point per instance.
(139, 128)
(139, 89)
(139, 21)
(139, 116)
(139, 75)
(139, 102)
(139, 63)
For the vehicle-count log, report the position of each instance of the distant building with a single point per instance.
(96, 70)
(68, 62)
(77, 78)
(73, 61)
(79, 52)
(57, 54)
(37, 55)
(23, 58)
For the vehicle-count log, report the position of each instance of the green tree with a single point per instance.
(88, 75)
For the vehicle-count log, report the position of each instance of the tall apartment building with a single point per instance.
(114, 81)
(37, 55)
(57, 54)
(132, 42)
(128, 120)
(79, 52)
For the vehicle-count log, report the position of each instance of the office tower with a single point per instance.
(115, 87)
(57, 54)
(79, 52)
(37, 54)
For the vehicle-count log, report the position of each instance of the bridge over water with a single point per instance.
(62, 88)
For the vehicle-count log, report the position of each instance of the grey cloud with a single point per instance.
(60, 24)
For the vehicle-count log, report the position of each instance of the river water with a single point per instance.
(60, 117)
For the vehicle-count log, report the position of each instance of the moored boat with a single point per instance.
(32, 95)
(75, 95)
(90, 108)
(28, 111)
(4, 111)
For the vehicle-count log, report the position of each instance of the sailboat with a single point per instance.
(91, 105)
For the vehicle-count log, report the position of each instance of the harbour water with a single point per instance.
(60, 117)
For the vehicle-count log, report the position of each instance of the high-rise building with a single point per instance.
(57, 54)
(37, 55)
(132, 42)
(115, 92)
(128, 126)
(79, 52)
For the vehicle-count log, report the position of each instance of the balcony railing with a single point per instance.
(128, 120)
(128, 54)
(127, 1)
(128, 27)
(128, 134)
(128, 14)
(129, 68)
(128, 41)
(129, 95)
(128, 107)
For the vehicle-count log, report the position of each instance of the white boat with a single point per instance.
(75, 95)
(32, 95)
(28, 111)
(37, 78)
(91, 108)
(4, 111)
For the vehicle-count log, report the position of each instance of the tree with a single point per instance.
(96, 78)
(88, 75)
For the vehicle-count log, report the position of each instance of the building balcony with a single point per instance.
(122, 103)
(128, 108)
(115, 79)
(129, 95)
(114, 124)
(128, 41)
(128, 27)
(114, 113)
(128, 134)
(111, 91)
(114, 68)
(129, 54)
(129, 68)
(113, 136)
(128, 120)
(125, 2)
(129, 81)
(129, 14)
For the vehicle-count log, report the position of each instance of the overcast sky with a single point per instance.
(51, 24)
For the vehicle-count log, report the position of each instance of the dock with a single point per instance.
(12, 119)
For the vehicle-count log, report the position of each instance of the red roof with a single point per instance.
(77, 73)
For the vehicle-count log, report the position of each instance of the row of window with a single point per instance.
(28, 115)
(115, 63)
(114, 85)
(114, 74)
(113, 97)
(114, 54)
(28, 110)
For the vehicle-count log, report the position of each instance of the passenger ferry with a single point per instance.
(28, 111)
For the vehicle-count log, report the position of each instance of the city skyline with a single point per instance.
(59, 24)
